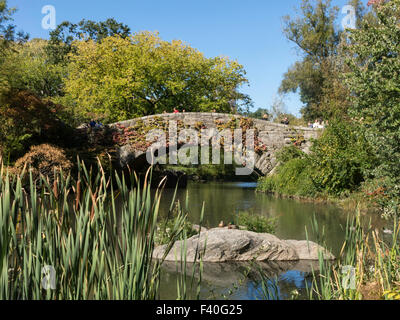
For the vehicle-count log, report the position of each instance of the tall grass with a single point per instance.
(368, 266)
(73, 225)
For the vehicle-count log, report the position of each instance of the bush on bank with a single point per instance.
(339, 162)
(256, 223)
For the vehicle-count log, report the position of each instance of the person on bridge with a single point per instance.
(285, 121)
(98, 125)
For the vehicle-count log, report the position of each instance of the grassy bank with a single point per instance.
(368, 267)
(351, 202)
(340, 168)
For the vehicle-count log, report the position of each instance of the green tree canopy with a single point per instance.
(60, 43)
(121, 78)
(260, 113)
(317, 37)
(314, 33)
(27, 67)
(8, 32)
(9, 36)
(374, 80)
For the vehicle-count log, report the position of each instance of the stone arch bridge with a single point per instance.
(273, 136)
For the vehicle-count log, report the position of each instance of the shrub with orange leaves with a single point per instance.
(43, 160)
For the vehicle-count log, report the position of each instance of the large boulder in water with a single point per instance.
(226, 245)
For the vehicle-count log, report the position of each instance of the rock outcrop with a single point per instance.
(224, 245)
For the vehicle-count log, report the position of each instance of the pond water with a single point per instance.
(223, 201)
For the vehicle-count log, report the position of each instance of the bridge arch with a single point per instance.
(273, 136)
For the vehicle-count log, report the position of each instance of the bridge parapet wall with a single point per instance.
(274, 136)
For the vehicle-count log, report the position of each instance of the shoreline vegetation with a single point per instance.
(366, 269)
(350, 203)
(99, 252)
(337, 169)
(96, 251)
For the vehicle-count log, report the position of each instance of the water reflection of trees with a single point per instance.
(243, 280)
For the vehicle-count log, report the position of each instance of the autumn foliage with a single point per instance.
(26, 120)
(43, 160)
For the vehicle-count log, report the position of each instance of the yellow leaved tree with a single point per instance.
(121, 78)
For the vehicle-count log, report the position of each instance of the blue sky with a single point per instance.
(247, 31)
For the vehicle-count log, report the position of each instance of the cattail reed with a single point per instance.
(68, 240)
